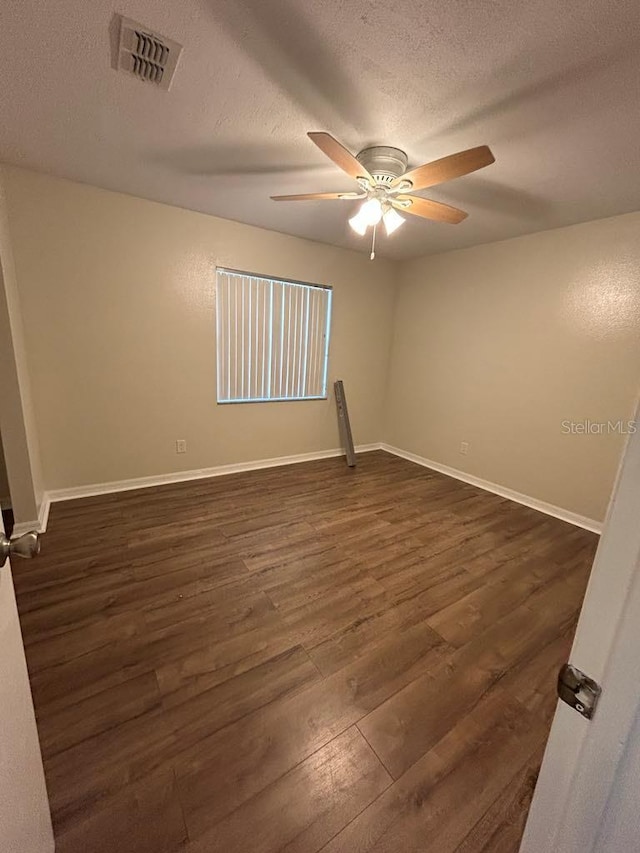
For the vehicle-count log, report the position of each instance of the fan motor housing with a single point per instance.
(384, 163)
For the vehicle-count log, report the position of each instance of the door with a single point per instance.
(586, 799)
(25, 823)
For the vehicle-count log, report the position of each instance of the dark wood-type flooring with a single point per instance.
(298, 659)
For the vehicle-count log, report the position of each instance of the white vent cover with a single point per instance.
(147, 55)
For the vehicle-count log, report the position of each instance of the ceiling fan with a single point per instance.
(386, 186)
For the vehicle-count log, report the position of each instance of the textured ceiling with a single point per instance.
(553, 86)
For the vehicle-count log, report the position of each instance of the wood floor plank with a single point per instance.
(256, 658)
(504, 589)
(142, 818)
(500, 829)
(102, 766)
(533, 682)
(305, 807)
(269, 742)
(315, 620)
(304, 588)
(410, 722)
(444, 795)
(206, 664)
(83, 719)
(202, 715)
(76, 640)
(359, 637)
(192, 650)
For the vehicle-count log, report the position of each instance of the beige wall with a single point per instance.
(17, 416)
(499, 344)
(118, 296)
(495, 345)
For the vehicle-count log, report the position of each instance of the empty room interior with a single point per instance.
(319, 355)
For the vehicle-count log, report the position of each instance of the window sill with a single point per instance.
(270, 400)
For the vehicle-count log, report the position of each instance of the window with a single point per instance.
(272, 338)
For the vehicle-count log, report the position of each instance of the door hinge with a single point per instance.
(578, 690)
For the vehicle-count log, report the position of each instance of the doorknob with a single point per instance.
(26, 546)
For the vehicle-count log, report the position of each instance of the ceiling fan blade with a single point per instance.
(317, 196)
(340, 156)
(448, 168)
(429, 209)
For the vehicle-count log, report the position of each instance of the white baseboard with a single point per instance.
(43, 517)
(502, 491)
(202, 473)
(95, 489)
(40, 524)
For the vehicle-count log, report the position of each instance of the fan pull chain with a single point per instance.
(373, 244)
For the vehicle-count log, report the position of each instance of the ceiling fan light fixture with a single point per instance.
(359, 224)
(392, 221)
(383, 180)
(371, 211)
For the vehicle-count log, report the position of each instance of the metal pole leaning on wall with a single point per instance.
(343, 423)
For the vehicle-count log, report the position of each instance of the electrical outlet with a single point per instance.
(181, 446)
(464, 447)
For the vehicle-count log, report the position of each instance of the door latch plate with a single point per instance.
(578, 690)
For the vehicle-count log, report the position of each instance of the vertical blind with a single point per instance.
(272, 338)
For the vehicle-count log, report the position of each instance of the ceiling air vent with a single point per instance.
(147, 55)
